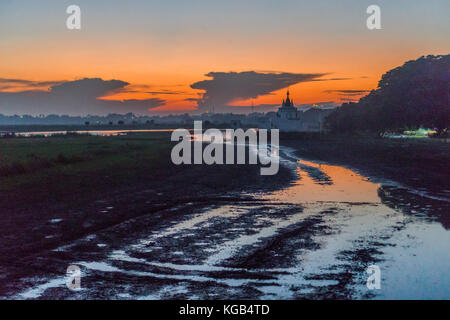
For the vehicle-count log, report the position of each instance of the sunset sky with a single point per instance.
(165, 55)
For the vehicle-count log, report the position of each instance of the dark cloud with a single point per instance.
(332, 79)
(348, 95)
(20, 83)
(141, 88)
(131, 105)
(47, 83)
(87, 88)
(6, 87)
(79, 97)
(132, 88)
(347, 92)
(225, 87)
(166, 92)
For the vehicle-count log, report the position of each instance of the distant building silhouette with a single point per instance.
(289, 119)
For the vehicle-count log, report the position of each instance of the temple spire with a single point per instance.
(287, 102)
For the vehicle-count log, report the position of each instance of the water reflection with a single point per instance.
(90, 132)
(328, 184)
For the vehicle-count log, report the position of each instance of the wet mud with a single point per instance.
(311, 238)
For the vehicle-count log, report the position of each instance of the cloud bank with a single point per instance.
(226, 87)
(348, 92)
(79, 97)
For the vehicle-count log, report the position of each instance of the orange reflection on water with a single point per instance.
(341, 185)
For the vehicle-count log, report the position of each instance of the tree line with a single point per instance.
(409, 97)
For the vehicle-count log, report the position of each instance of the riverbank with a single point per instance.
(51, 128)
(310, 239)
(58, 189)
(141, 227)
(81, 127)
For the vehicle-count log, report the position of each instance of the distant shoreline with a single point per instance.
(48, 128)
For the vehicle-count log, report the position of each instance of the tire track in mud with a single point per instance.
(280, 251)
(250, 244)
(260, 247)
(203, 240)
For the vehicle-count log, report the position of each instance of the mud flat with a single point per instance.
(310, 238)
(309, 232)
(71, 187)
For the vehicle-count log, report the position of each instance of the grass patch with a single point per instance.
(72, 160)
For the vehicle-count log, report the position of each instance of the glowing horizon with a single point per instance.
(163, 49)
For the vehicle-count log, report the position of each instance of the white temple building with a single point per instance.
(289, 119)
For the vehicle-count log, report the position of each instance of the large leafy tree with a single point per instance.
(413, 95)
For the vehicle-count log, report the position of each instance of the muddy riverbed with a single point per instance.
(312, 239)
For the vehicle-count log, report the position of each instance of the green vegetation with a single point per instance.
(74, 160)
(409, 97)
(92, 183)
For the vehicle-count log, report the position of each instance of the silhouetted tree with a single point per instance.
(408, 97)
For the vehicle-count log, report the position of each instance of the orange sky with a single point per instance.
(177, 70)
(160, 60)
